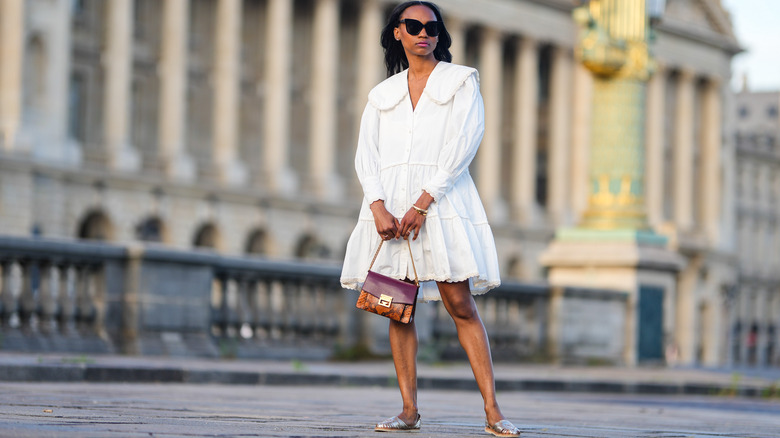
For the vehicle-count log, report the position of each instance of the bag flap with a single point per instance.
(401, 291)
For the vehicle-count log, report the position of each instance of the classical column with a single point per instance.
(59, 50)
(654, 151)
(489, 154)
(11, 34)
(686, 315)
(371, 70)
(277, 172)
(457, 30)
(683, 151)
(227, 37)
(711, 136)
(173, 157)
(523, 177)
(559, 132)
(324, 180)
(117, 60)
(714, 332)
(580, 136)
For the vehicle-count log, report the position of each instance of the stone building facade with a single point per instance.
(231, 124)
(756, 300)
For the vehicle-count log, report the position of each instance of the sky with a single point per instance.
(756, 26)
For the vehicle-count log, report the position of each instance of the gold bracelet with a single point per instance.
(420, 210)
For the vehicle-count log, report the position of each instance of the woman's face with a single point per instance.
(422, 44)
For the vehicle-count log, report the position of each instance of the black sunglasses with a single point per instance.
(414, 27)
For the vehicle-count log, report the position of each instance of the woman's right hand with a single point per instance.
(386, 224)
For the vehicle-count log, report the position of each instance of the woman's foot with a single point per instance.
(396, 424)
(502, 428)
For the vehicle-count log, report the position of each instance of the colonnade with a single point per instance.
(514, 135)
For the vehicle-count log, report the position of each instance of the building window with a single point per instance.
(150, 230)
(743, 112)
(257, 243)
(95, 226)
(78, 7)
(206, 237)
(772, 112)
(76, 110)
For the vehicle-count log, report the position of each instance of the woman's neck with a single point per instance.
(421, 67)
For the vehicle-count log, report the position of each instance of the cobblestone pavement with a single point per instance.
(193, 410)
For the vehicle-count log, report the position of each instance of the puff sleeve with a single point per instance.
(367, 157)
(468, 120)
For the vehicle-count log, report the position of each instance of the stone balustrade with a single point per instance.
(84, 297)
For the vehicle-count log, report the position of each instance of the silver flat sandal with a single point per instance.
(396, 424)
(502, 428)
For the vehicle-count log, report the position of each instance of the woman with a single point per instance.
(419, 132)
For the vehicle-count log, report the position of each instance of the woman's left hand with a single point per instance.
(411, 223)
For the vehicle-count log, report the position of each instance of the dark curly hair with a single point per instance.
(395, 57)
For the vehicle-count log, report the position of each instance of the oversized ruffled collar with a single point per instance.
(445, 80)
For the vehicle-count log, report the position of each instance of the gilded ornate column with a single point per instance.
(559, 135)
(711, 137)
(654, 151)
(278, 175)
(324, 180)
(523, 179)
(580, 139)
(226, 73)
(117, 63)
(489, 154)
(683, 152)
(11, 35)
(613, 247)
(172, 153)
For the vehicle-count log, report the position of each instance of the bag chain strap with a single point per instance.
(416, 281)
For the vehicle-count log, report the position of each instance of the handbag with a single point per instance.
(389, 297)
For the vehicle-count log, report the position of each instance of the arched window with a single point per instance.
(310, 248)
(95, 226)
(257, 243)
(206, 237)
(150, 229)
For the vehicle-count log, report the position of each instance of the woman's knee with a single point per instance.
(463, 308)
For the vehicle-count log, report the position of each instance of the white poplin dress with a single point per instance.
(402, 152)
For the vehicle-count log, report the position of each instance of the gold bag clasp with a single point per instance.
(385, 300)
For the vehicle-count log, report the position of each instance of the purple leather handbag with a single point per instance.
(389, 297)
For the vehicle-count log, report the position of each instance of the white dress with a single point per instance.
(401, 152)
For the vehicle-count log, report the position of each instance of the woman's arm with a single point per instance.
(468, 114)
(367, 166)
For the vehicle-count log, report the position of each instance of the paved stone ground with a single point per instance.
(196, 410)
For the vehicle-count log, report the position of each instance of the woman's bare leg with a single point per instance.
(473, 337)
(403, 344)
